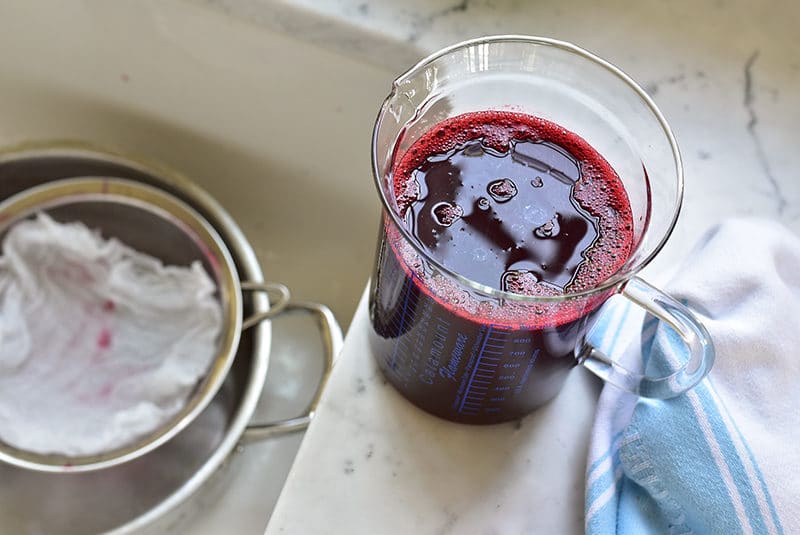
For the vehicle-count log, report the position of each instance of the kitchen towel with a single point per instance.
(99, 344)
(723, 458)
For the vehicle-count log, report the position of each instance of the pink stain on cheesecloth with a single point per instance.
(99, 344)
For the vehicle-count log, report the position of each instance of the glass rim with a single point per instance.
(621, 275)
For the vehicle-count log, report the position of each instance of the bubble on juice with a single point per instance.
(537, 182)
(407, 195)
(483, 203)
(550, 229)
(485, 308)
(458, 298)
(516, 280)
(447, 213)
(502, 189)
(526, 282)
(474, 149)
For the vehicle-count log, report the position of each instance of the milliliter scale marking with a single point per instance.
(483, 391)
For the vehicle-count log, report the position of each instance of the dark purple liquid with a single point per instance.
(515, 203)
(524, 222)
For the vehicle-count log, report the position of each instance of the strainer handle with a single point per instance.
(278, 299)
(332, 339)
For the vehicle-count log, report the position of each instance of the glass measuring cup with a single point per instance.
(473, 353)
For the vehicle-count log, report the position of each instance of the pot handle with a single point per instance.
(332, 339)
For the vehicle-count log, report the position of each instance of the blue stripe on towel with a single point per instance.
(690, 458)
(770, 516)
(751, 482)
(657, 466)
(606, 480)
(731, 457)
(649, 481)
(725, 485)
(770, 504)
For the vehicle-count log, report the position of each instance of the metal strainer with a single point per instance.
(156, 223)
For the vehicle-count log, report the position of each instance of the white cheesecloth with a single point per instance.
(99, 344)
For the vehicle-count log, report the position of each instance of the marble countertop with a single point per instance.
(725, 73)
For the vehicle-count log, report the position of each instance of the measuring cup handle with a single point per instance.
(685, 324)
(333, 341)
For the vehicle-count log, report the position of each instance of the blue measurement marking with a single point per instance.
(473, 403)
(399, 322)
(393, 363)
(527, 373)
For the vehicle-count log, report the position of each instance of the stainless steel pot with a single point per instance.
(157, 223)
(155, 489)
